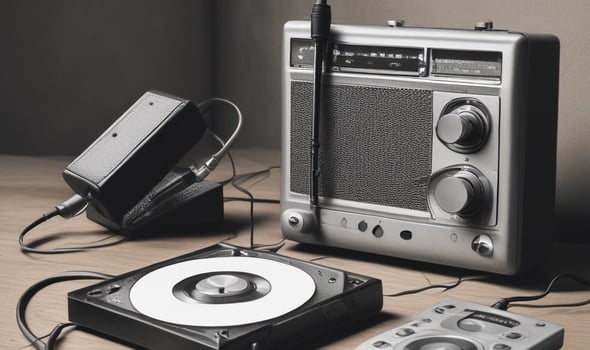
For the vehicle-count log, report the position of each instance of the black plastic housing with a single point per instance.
(116, 171)
(340, 297)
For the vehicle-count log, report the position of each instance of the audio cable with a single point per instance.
(236, 181)
(70, 208)
(445, 287)
(194, 174)
(23, 301)
(506, 303)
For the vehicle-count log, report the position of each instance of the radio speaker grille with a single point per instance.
(376, 143)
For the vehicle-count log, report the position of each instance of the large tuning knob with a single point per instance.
(464, 126)
(463, 191)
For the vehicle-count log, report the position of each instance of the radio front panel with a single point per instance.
(425, 144)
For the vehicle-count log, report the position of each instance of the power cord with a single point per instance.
(23, 301)
(194, 174)
(438, 286)
(236, 181)
(70, 208)
(505, 303)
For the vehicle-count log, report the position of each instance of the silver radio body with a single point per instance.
(437, 145)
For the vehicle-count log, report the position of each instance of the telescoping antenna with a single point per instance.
(321, 18)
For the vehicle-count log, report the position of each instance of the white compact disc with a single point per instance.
(153, 296)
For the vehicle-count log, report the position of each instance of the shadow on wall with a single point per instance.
(572, 209)
(74, 67)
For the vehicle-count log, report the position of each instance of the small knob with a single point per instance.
(485, 25)
(460, 192)
(454, 128)
(396, 23)
(463, 129)
(302, 221)
(483, 245)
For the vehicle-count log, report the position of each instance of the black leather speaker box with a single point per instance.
(134, 154)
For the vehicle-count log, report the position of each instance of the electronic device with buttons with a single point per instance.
(457, 324)
(225, 297)
(435, 144)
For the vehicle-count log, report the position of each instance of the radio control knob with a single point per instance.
(464, 129)
(485, 25)
(302, 221)
(396, 23)
(483, 245)
(462, 193)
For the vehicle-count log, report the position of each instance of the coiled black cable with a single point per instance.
(23, 301)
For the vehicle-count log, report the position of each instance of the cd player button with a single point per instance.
(421, 323)
(513, 335)
(501, 346)
(404, 332)
(470, 325)
(380, 344)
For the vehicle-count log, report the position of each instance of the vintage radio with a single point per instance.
(436, 145)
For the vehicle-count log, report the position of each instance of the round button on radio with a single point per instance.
(483, 245)
(463, 126)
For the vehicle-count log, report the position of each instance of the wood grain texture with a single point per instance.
(32, 186)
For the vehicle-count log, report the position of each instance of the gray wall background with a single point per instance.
(69, 68)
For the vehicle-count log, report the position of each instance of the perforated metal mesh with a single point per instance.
(375, 143)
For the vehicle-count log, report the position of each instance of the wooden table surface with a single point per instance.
(31, 186)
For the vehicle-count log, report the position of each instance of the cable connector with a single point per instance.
(321, 18)
(205, 169)
(191, 176)
(72, 206)
(501, 304)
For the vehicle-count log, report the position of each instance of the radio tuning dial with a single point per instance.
(460, 192)
(464, 127)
